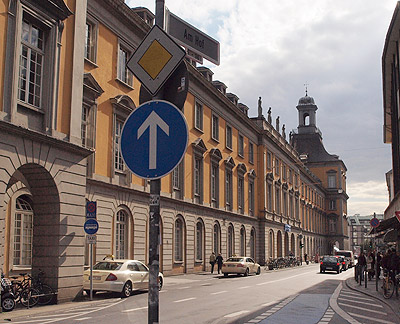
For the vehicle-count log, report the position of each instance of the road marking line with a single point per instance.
(277, 280)
(219, 292)
(356, 297)
(270, 303)
(362, 308)
(334, 306)
(82, 318)
(255, 321)
(133, 309)
(237, 313)
(359, 302)
(182, 300)
(244, 287)
(372, 319)
(184, 288)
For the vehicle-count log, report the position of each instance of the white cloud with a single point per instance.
(367, 197)
(272, 48)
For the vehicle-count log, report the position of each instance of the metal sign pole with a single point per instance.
(154, 226)
(91, 269)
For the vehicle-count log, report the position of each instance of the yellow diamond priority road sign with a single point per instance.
(155, 59)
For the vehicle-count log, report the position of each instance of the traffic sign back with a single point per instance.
(154, 139)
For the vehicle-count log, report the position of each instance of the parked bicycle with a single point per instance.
(32, 290)
(389, 286)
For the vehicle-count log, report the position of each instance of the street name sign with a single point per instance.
(91, 226)
(157, 56)
(154, 139)
(192, 38)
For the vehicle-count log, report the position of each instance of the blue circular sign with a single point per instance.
(91, 226)
(154, 139)
(374, 222)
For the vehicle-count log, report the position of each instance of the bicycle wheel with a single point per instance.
(29, 297)
(388, 289)
(46, 294)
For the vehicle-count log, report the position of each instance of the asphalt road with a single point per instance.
(293, 295)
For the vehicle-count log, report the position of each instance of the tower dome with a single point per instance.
(306, 101)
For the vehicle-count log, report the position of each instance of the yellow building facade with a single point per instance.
(243, 186)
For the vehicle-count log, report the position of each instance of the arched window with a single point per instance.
(121, 235)
(23, 232)
(178, 239)
(271, 244)
(242, 241)
(231, 240)
(217, 239)
(252, 243)
(279, 244)
(306, 119)
(199, 241)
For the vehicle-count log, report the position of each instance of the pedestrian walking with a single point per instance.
(305, 258)
(362, 262)
(212, 261)
(378, 261)
(219, 261)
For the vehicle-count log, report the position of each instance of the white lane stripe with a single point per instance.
(183, 300)
(244, 287)
(82, 318)
(359, 302)
(362, 308)
(371, 318)
(219, 292)
(284, 279)
(356, 297)
(133, 309)
(335, 307)
(92, 311)
(236, 314)
(270, 303)
(183, 288)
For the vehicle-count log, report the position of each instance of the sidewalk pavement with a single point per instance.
(393, 303)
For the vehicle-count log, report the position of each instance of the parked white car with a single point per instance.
(240, 265)
(122, 276)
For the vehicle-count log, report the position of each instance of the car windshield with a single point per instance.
(107, 266)
(329, 259)
(235, 260)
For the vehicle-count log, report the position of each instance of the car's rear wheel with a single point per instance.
(225, 275)
(258, 271)
(127, 290)
(246, 272)
(88, 292)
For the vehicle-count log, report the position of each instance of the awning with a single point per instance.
(390, 223)
(390, 236)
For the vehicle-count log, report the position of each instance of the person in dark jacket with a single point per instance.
(362, 262)
(219, 262)
(212, 261)
(378, 261)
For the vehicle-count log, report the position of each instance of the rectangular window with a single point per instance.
(278, 201)
(228, 189)
(23, 234)
(269, 197)
(332, 205)
(198, 116)
(269, 160)
(241, 195)
(277, 166)
(285, 204)
(284, 172)
(290, 176)
(85, 125)
(120, 235)
(197, 177)
(241, 146)
(331, 181)
(176, 177)
(214, 182)
(199, 242)
(251, 152)
(118, 161)
(228, 136)
(215, 127)
(90, 41)
(251, 197)
(31, 64)
(178, 241)
(124, 74)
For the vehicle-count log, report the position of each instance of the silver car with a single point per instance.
(121, 276)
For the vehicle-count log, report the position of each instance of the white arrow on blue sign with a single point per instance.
(154, 139)
(91, 226)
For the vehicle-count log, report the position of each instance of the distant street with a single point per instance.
(293, 295)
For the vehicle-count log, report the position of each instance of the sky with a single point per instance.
(271, 49)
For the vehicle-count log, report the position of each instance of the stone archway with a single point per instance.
(286, 244)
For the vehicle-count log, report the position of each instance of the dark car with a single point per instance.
(330, 263)
(344, 261)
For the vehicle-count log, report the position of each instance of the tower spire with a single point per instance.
(306, 85)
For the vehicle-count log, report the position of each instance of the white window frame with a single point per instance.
(199, 241)
(228, 133)
(241, 145)
(240, 193)
(251, 152)
(91, 32)
(179, 240)
(121, 234)
(124, 75)
(215, 127)
(198, 115)
(331, 180)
